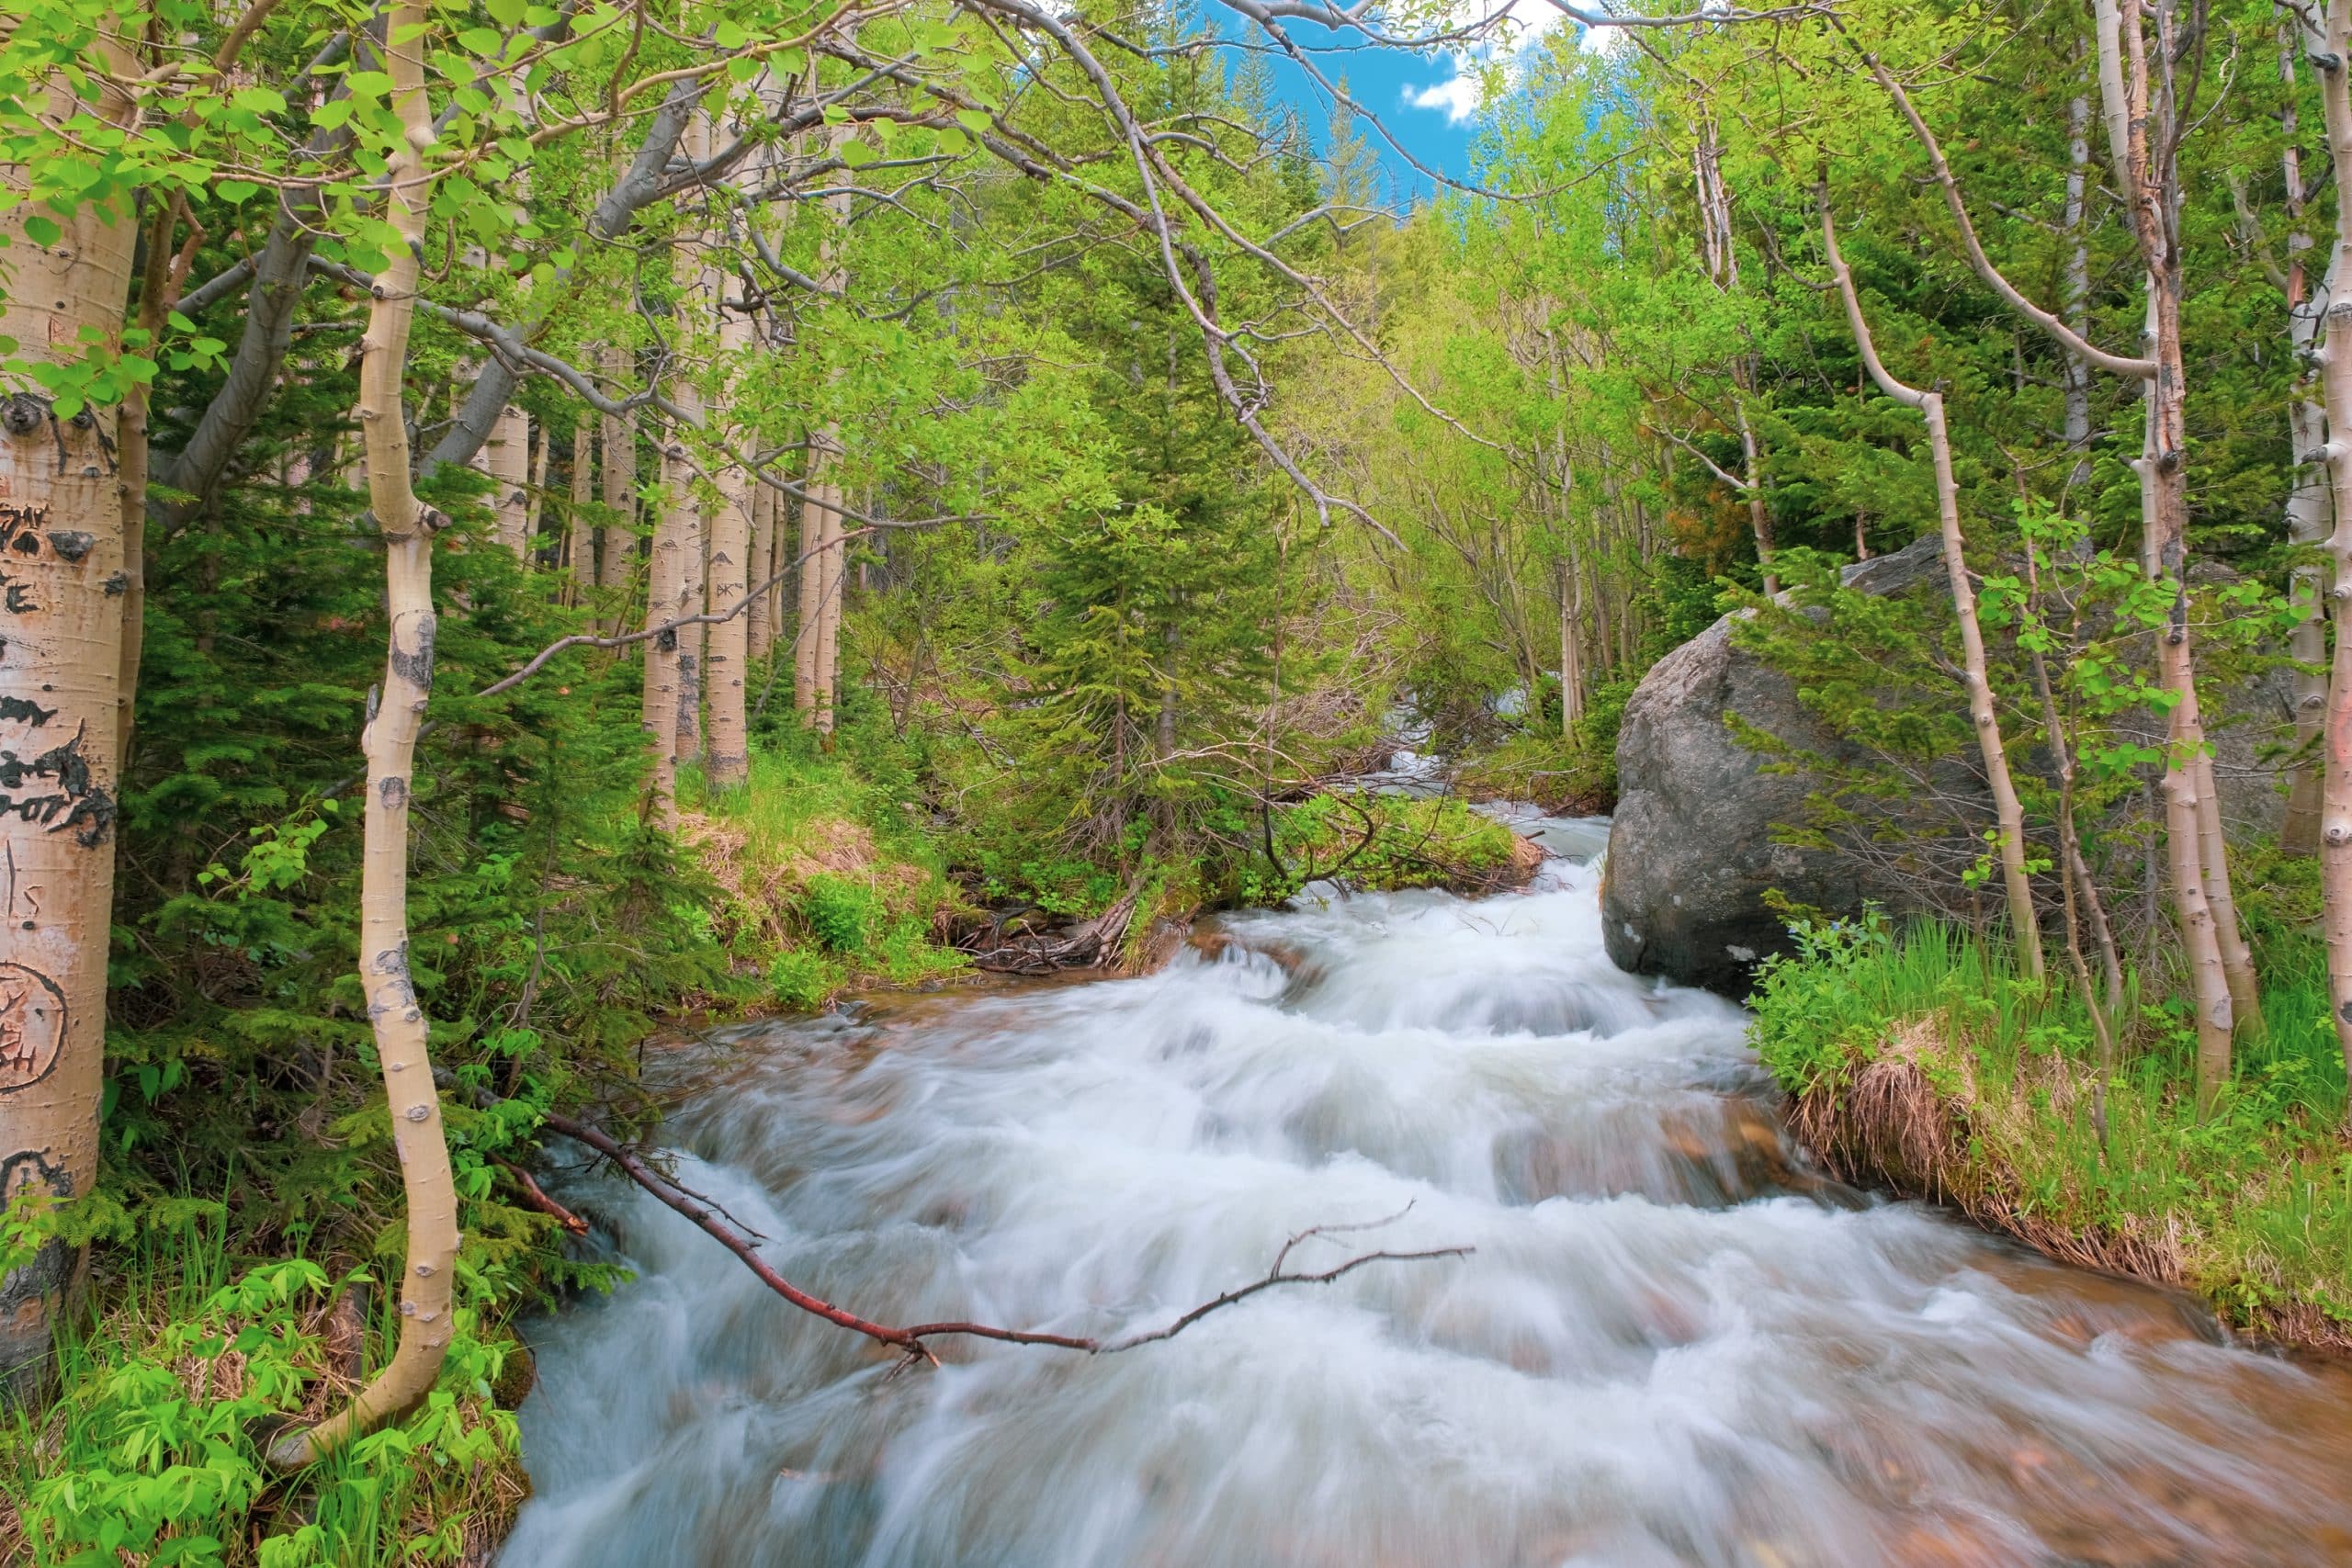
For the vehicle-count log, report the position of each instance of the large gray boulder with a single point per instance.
(1692, 853)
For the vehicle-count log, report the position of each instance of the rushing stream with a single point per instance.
(1673, 1344)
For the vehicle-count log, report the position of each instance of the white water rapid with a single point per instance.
(1673, 1344)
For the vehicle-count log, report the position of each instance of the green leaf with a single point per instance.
(856, 154)
(730, 34)
(234, 190)
(259, 100)
(977, 121)
(42, 231)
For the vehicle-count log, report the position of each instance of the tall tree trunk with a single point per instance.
(1722, 265)
(2009, 815)
(580, 538)
(664, 602)
(728, 644)
(2335, 381)
(506, 458)
(810, 616)
(429, 1270)
(2221, 973)
(833, 585)
(60, 522)
(693, 587)
(617, 542)
(759, 632)
(2309, 514)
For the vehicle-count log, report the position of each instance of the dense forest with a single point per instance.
(530, 526)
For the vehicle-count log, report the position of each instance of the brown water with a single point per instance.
(1675, 1343)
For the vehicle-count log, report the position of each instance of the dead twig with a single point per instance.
(910, 1341)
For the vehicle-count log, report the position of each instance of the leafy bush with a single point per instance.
(838, 913)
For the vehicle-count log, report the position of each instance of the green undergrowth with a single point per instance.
(1561, 775)
(1381, 843)
(153, 1455)
(830, 876)
(2250, 1205)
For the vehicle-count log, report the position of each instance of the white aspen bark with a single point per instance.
(759, 629)
(694, 586)
(506, 458)
(2008, 814)
(535, 497)
(812, 589)
(579, 539)
(2310, 511)
(2220, 968)
(662, 606)
(618, 541)
(61, 610)
(429, 1270)
(2335, 381)
(834, 585)
(2078, 288)
(728, 646)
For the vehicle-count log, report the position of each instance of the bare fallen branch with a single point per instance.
(910, 1341)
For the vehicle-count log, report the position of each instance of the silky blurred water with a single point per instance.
(1675, 1344)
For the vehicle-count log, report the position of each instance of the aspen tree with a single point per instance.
(2009, 815)
(2333, 61)
(759, 629)
(617, 540)
(580, 538)
(67, 281)
(408, 528)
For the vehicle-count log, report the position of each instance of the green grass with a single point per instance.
(153, 1452)
(831, 881)
(2256, 1197)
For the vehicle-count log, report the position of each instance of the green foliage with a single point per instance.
(838, 913)
(155, 1449)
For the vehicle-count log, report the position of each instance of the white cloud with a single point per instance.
(1459, 97)
(1521, 23)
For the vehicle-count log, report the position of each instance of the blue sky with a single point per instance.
(1416, 99)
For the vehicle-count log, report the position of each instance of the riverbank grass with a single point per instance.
(152, 1454)
(831, 879)
(1921, 1059)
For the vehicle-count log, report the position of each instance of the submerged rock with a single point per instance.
(1693, 853)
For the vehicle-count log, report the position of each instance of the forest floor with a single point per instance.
(1919, 1060)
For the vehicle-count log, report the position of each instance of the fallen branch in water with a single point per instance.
(909, 1342)
(536, 1197)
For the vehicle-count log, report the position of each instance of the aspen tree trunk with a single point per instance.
(2335, 381)
(158, 292)
(663, 604)
(579, 540)
(694, 561)
(2077, 370)
(390, 741)
(61, 526)
(828, 613)
(2009, 815)
(506, 458)
(759, 630)
(811, 593)
(1722, 265)
(2310, 517)
(2220, 968)
(617, 543)
(731, 543)
(535, 499)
